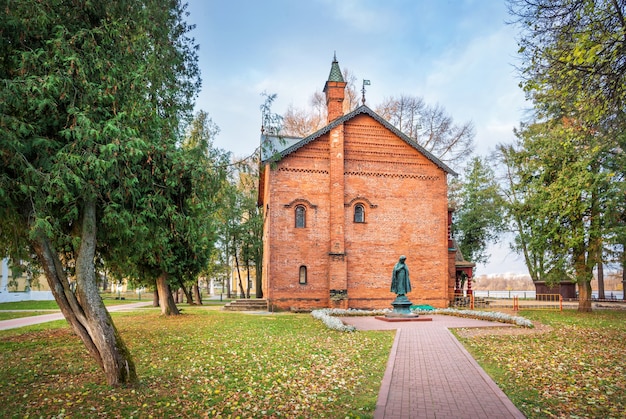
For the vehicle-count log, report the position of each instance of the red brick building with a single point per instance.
(341, 206)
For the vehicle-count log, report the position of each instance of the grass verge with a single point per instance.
(204, 363)
(575, 370)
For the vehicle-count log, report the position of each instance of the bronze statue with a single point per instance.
(400, 282)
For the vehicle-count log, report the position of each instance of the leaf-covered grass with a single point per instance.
(575, 370)
(204, 363)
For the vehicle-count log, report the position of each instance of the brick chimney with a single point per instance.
(335, 91)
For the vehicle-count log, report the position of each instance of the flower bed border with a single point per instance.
(328, 316)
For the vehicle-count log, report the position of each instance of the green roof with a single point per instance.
(335, 72)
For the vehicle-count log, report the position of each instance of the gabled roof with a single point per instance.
(277, 147)
(459, 259)
(271, 145)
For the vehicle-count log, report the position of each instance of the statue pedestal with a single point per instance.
(402, 308)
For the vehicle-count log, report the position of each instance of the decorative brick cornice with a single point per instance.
(288, 169)
(360, 199)
(300, 201)
(392, 159)
(393, 175)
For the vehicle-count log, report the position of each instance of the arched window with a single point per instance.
(302, 277)
(359, 213)
(300, 216)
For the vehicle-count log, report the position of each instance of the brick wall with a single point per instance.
(405, 199)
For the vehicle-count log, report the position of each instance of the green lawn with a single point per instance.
(52, 305)
(208, 363)
(109, 300)
(575, 370)
(34, 308)
(205, 363)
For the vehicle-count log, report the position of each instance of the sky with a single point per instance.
(460, 54)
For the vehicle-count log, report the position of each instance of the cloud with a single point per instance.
(478, 82)
(502, 259)
(359, 15)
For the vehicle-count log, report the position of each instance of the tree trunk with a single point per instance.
(105, 282)
(186, 292)
(228, 274)
(258, 285)
(166, 300)
(196, 294)
(258, 277)
(624, 271)
(584, 296)
(84, 310)
(601, 295)
(583, 279)
(584, 275)
(249, 285)
(242, 292)
(155, 297)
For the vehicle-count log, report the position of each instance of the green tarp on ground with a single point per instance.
(423, 307)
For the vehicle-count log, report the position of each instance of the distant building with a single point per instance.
(343, 204)
(21, 286)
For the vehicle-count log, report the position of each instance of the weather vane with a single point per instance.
(365, 83)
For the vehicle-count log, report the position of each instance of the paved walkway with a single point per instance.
(44, 318)
(430, 374)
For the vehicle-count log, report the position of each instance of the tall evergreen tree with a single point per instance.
(478, 218)
(92, 96)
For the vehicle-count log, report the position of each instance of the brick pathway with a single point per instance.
(430, 374)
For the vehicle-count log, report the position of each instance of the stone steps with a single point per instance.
(247, 304)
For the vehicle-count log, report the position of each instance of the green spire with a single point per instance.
(335, 72)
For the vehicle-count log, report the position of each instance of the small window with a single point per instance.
(300, 217)
(302, 278)
(359, 213)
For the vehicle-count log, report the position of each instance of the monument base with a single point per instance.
(401, 307)
(402, 312)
